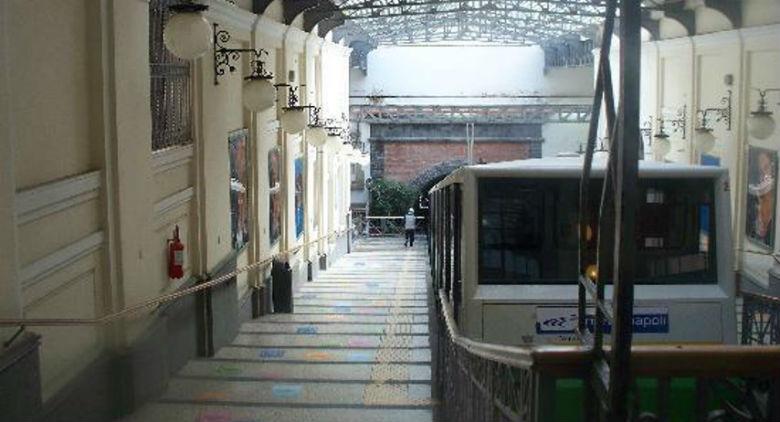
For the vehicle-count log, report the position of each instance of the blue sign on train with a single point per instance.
(563, 320)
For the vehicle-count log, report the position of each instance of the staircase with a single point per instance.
(355, 350)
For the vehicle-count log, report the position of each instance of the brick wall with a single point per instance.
(404, 160)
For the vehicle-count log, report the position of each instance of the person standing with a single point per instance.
(410, 224)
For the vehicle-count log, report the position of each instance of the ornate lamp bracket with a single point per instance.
(223, 57)
(722, 114)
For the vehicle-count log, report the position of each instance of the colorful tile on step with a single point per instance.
(306, 329)
(271, 353)
(287, 391)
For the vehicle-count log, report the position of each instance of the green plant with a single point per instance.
(389, 197)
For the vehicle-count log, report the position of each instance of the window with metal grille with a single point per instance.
(171, 96)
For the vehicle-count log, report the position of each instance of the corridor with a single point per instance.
(356, 349)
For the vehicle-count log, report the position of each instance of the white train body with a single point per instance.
(504, 248)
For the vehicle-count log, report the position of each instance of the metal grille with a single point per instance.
(760, 319)
(171, 96)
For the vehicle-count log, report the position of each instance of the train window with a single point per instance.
(528, 231)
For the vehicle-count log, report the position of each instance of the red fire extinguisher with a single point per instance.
(175, 256)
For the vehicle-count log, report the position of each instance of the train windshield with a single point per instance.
(528, 231)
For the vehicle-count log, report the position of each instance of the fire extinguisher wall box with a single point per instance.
(175, 256)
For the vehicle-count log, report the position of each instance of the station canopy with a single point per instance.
(519, 22)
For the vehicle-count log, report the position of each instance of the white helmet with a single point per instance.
(411, 211)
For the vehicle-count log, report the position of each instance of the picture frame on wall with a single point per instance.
(238, 144)
(761, 196)
(274, 196)
(274, 169)
(299, 214)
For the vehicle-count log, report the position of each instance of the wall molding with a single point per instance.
(673, 46)
(61, 258)
(40, 201)
(172, 202)
(715, 40)
(270, 31)
(295, 39)
(171, 158)
(229, 15)
(760, 32)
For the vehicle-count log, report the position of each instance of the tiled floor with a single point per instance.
(356, 349)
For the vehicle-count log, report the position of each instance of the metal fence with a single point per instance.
(376, 226)
(476, 381)
(760, 319)
(479, 382)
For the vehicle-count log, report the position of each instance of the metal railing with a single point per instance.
(475, 381)
(376, 226)
(760, 319)
(159, 300)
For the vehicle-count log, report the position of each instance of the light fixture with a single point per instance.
(760, 123)
(661, 147)
(258, 93)
(294, 117)
(316, 133)
(703, 137)
(187, 33)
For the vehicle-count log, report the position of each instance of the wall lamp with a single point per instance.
(760, 123)
(703, 136)
(316, 134)
(295, 117)
(188, 35)
(660, 141)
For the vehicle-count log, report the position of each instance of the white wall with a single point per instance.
(691, 71)
(486, 75)
(490, 71)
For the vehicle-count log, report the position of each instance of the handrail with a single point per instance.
(166, 297)
(761, 296)
(655, 360)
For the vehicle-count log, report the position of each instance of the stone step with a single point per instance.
(333, 328)
(312, 394)
(209, 369)
(376, 303)
(202, 412)
(287, 354)
(324, 341)
(359, 296)
(346, 318)
(360, 310)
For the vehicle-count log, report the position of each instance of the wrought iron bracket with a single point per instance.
(762, 108)
(678, 124)
(722, 114)
(223, 57)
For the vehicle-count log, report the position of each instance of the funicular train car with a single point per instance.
(504, 249)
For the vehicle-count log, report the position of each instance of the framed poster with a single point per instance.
(710, 160)
(274, 196)
(275, 216)
(239, 182)
(761, 196)
(273, 168)
(298, 197)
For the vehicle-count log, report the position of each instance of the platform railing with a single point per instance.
(385, 225)
(477, 381)
(760, 319)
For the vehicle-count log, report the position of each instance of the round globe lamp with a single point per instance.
(187, 33)
(258, 93)
(761, 124)
(294, 119)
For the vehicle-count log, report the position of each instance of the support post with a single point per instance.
(626, 146)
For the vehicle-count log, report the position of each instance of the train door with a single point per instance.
(447, 270)
(457, 279)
